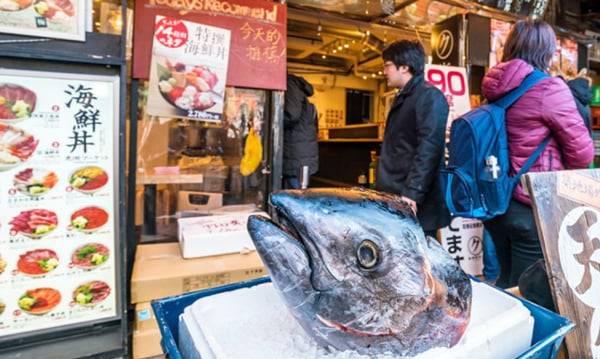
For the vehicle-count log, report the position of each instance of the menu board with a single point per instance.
(58, 223)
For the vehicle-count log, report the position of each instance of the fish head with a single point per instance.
(349, 260)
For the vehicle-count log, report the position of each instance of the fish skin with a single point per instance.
(416, 297)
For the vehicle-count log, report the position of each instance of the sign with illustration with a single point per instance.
(59, 19)
(257, 57)
(567, 209)
(188, 70)
(446, 43)
(59, 220)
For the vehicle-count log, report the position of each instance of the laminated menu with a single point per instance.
(58, 224)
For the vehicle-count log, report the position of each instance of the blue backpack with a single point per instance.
(476, 181)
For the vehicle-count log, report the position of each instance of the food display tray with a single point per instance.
(548, 332)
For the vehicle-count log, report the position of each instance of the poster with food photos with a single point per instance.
(188, 70)
(58, 194)
(58, 19)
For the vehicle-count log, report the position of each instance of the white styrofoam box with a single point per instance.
(192, 343)
(215, 234)
(217, 326)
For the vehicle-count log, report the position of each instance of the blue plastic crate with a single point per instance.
(548, 332)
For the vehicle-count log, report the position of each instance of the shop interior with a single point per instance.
(177, 168)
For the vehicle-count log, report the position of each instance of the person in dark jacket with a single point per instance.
(548, 108)
(300, 128)
(412, 150)
(582, 92)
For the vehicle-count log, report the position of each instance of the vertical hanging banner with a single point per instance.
(188, 70)
(257, 52)
(463, 237)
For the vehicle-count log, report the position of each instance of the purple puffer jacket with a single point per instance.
(548, 107)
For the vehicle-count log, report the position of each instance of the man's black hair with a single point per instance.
(406, 52)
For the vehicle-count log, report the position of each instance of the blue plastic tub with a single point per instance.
(548, 332)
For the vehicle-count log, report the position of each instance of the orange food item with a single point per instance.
(50, 180)
(46, 299)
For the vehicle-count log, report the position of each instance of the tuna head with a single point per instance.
(357, 272)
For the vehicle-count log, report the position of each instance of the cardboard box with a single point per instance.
(144, 317)
(215, 235)
(160, 271)
(146, 343)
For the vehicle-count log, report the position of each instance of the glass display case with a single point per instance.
(187, 167)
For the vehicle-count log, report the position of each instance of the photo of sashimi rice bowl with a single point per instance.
(16, 102)
(34, 181)
(187, 87)
(90, 256)
(14, 5)
(37, 262)
(88, 179)
(89, 219)
(16, 146)
(34, 223)
(39, 300)
(3, 264)
(91, 293)
(55, 10)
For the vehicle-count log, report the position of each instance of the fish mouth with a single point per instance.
(287, 226)
(349, 330)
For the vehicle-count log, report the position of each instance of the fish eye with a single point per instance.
(367, 255)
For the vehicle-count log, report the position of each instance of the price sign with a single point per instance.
(452, 81)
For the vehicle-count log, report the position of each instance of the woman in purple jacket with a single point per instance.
(547, 108)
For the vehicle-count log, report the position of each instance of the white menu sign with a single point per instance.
(59, 218)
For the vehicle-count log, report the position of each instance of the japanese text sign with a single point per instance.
(257, 57)
(463, 239)
(188, 70)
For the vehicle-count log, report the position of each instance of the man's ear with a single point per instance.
(403, 68)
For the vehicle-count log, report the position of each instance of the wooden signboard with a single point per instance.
(566, 206)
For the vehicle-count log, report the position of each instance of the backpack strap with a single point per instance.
(513, 95)
(533, 157)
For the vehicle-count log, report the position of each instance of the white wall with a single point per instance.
(330, 95)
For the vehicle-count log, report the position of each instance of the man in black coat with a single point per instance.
(413, 143)
(300, 128)
(580, 88)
